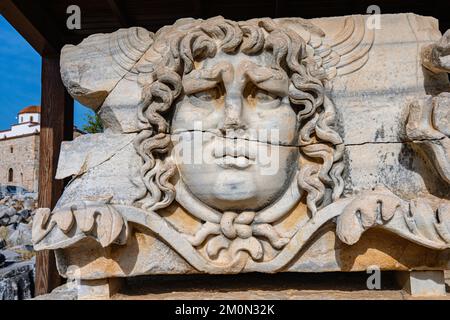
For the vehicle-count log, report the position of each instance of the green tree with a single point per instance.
(93, 124)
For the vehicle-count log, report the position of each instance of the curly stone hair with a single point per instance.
(173, 54)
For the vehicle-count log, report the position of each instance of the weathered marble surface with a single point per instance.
(359, 147)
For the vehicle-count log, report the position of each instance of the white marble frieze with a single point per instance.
(264, 145)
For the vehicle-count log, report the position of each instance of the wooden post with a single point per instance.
(56, 126)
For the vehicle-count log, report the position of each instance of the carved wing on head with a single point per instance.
(346, 51)
(93, 68)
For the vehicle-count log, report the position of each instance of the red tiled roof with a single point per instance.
(30, 109)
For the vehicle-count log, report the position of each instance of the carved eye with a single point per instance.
(208, 95)
(264, 96)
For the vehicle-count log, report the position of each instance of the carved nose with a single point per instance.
(233, 114)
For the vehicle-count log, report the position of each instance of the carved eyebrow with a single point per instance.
(269, 79)
(203, 79)
(196, 84)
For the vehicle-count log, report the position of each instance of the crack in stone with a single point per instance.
(83, 172)
(124, 75)
(84, 169)
(237, 138)
(393, 142)
(280, 144)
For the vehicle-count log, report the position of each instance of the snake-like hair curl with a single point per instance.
(178, 46)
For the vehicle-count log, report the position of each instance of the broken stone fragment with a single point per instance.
(17, 281)
(28, 204)
(112, 176)
(88, 151)
(441, 113)
(11, 256)
(21, 236)
(2, 259)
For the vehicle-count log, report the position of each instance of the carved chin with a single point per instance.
(234, 189)
(240, 190)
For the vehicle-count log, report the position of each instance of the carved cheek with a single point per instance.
(280, 124)
(288, 124)
(187, 115)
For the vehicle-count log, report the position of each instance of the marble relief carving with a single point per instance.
(228, 143)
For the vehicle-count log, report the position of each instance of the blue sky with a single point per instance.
(20, 77)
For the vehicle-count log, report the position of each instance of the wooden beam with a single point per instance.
(119, 13)
(34, 23)
(23, 25)
(56, 126)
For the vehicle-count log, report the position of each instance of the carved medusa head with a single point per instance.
(253, 85)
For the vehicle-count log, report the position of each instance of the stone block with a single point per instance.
(426, 283)
(267, 145)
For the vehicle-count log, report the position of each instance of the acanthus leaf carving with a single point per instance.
(436, 56)
(415, 221)
(364, 212)
(89, 218)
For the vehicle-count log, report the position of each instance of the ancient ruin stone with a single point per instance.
(17, 281)
(267, 145)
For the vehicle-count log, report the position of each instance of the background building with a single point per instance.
(19, 150)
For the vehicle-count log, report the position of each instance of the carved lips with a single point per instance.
(234, 153)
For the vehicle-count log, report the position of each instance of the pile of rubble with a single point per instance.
(17, 261)
(15, 210)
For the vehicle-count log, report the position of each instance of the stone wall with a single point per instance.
(23, 160)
